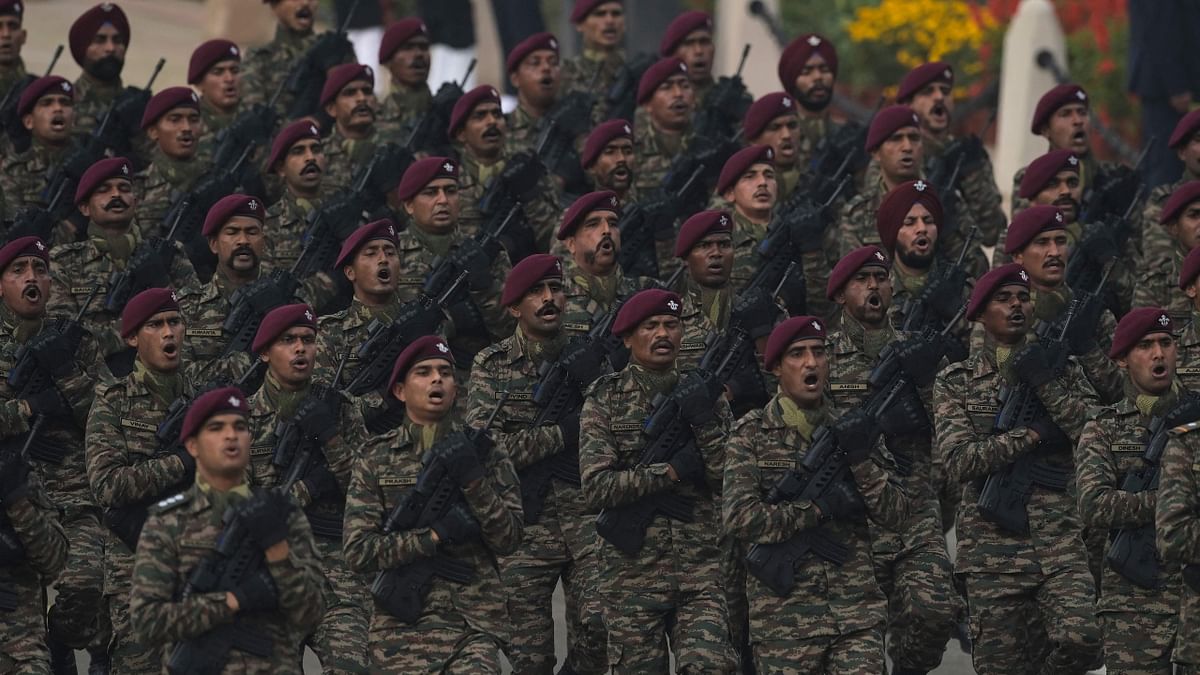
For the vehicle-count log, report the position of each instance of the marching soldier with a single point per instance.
(747, 184)
(1158, 286)
(458, 626)
(278, 601)
(534, 71)
(665, 94)
(12, 39)
(98, 40)
(593, 281)
(298, 158)
(808, 69)
(908, 222)
(672, 586)
(1186, 144)
(267, 67)
(608, 158)
(833, 619)
(689, 38)
(215, 70)
(705, 245)
(404, 51)
(46, 110)
(172, 123)
(349, 99)
(774, 121)
(1188, 368)
(1139, 622)
(601, 59)
(1030, 594)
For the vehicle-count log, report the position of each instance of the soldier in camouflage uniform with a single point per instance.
(60, 412)
(560, 536)
(298, 158)
(98, 40)
(665, 94)
(280, 600)
(287, 342)
(172, 122)
(609, 159)
(1159, 283)
(47, 111)
(601, 59)
(808, 69)
(833, 619)
(1188, 368)
(1030, 593)
(12, 38)
(672, 586)
(1175, 516)
(126, 466)
(349, 99)
(461, 627)
(534, 71)
(215, 70)
(1139, 623)
(705, 245)
(1186, 144)
(911, 564)
(689, 38)
(404, 51)
(267, 67)
(773, 121)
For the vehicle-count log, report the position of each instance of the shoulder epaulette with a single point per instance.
(490, 351)
(174, 501)
(601, 382)
(62, 250)
(1184, 428)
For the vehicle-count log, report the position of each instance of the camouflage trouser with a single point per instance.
(922, 604)
(1137, 643)
(127, 654)
(22, 631)
(340, 641)
(78, 619)
(856, 653)
(444, 645)
(639, 624)
(1025, 623)
(733, 576)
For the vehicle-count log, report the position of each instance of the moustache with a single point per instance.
(661, 342)
(245, 250)
(547, 308)
(362, 109)
(310, 167)
(116, 202)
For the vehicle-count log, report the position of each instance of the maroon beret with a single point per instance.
(896, 205)
(656, 74)
(421, 172)
(209, 54)
(643, 305)
(289, 136)
(117, 167)
(528, 46)
(1190, 269)
(467, 102)
(228, 207)
(421, 349)
(1135, 325)
(740, 162)
(342, 75)
(529, 271)
(19, 248)
(924, 74)
(584, 7)
(1041, 170)
(1182, 196)
(680, 27)
(700, 226)
(144, 305)
(601, 136)
(1029, 223)
(90, 22)
(280, 319)
(167, 100)
(16, 7)
(763, 111)
(1184, 129)
(783, 335)
(1054, 99)
(887, 122)
(52, 84)
(798, 52)
(1004, 275)
(209, 404)
(851, 263)
(604, 200)
(378, 229)
(398, 33)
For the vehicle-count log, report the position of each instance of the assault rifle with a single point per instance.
(428, 132)
(791, 234)
(1117, 190)
(621, 100)
(307, 76)
(725, 105)
(643, 226)
(935, 306)
(149, 267)
(1102, 242)
(569, 119)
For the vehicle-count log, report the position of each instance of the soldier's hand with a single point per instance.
(841, 501)
(856, 435)
(755, 311)
(257, 593)
(461, 459)
(470, 257)
(317, 419)
(55, 352)
(522, 173)
(696, 400)
(266, 517)
(905, 415)
(48, 403)
(919, 359)
(458, 526)
(1081, 334)
(320, 481)
(1051, 437)
(189, 462)
(568, 426)
(688, 464)
(14, 477)
(1034, 365)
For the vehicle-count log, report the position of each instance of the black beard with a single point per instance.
(915, 261)
(814, 106)
(105, 69)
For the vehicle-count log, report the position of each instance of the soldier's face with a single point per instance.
(435, 208)
(1006, 315)
(409, 65)
(52, 119)
(934, 106)
(655, 342)
(813, 88)
(12, 38)
(917, 238)
(484, 130)
(1068, 129)
(697, 51)
(105, 55)
(375, 271)
(781, 134)
(539, 311)
(1189, 154)
(1045, 258)
(177, 133)
(221, 447)
(753, 195)
(604, 27)
(291, 356)
(159, 342)
(614, 168)
(672, 104)
(867, 296)
(1151, 363)
(428, 391)
(900, 156)
(355, 107)
(536, 78)
(238, 246)
(296, 15)
(221, 85)
(25, 285)
(803, 371)
(303, 166)
(1064, 191)
(112, 204)
(596, 242)
(710, 262)
(1185, 229)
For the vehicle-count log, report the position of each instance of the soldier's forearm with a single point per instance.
(501, 524)
(41, 535)
(977, 458)
(159, 622)
(366, 549)
(117, 484)
(887, 501)
(300, 596)
(530, 445)
(1106, 507)
(609, 488)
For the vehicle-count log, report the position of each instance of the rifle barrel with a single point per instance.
(741, 62)
(467, 75)
(54, 59)
(345, 27)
